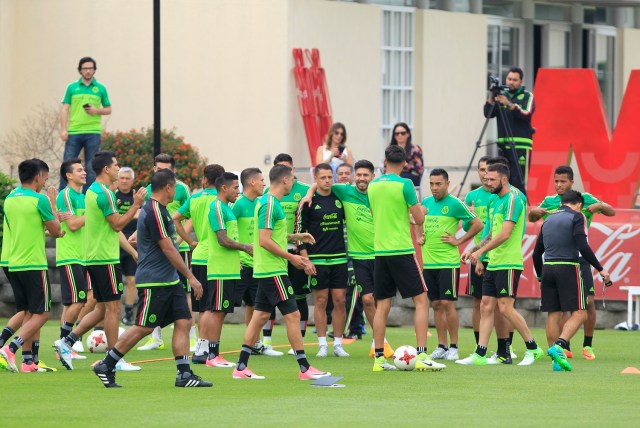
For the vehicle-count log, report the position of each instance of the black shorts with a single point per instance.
(299, 280)
(127, 264)
(73, 284)
(106, 281)
(474, 283)
(160, 306)
(562, 288)
(442, 284)
(363, 270)
(186, 258)
(87, 279)
(501, 283)
(31, 291)
(246, 288)
(275, 292)
(397, 273)
(220, 296)
(200, 272)
(5, 269)
(587, 277)
(331, 277)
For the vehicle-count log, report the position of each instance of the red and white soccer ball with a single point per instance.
(405, 357)
(97, 341)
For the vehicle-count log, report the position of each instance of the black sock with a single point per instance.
(112, 358)
(245, 353)
(5, 335)
(562, 343)
(35, 348)
(588, 340)
(65, 329)
(214, 349)
(379, 352)
(303, 307)
(182, 362)
(477, 335)
(15, 344)
(453, 345)
(27, 357)
(502, 346)
(440, 345)
(510, 337)
(128, 311)
(302, 360)
(267, 329)
(568, 348)
(420, 349)
(71, 339)
(481, 350)
(531, 344)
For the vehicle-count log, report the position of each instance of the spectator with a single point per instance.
(124, 200)
(344, 174)
(401, 136)
(334, 151)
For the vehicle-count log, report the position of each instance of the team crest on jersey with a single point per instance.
(152, 318)
(297, 197)
(95, 89)
(338, 204)
(521, 96)
(445, 210)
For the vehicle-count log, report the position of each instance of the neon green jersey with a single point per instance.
(197, 209)
(25, 212)
(479, 198)
(79, 94)
(244, 210)
(510, 207)
(223, 263)
(289, 204)
(359, 220)
(6, 239)
(102, 243)
(390, 197)
(70, 248)
(552, 203)
(443, 216)
(269, 214)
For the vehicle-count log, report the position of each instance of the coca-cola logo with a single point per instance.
(612, 257)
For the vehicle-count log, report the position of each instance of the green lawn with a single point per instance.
(594, 394)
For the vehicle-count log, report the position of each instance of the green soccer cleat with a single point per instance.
(531, 356)
(380, 364)
(424, 363)
(558, 356)
(473, 360)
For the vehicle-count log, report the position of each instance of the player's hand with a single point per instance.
(539, 212)
(420, 240)
(133, 239)
(594, 208)
(474, 258)
(140, 196)
(135, 256)
(299, 262)
(61, 234)
(310, 269)
(306, 200)
(465, 256)
(64, 135)
(479, 268)
(307, 238)
(606, 278)
(63, 216)
(472, 207)
(193, 244)
(449, 239)
(196, 287)
(249, 249)
(52, 194)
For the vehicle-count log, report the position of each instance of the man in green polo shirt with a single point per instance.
(84, 102)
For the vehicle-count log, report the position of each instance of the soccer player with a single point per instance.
(124, 199)
(162, 298)
(441, 258)
(562, 239)
(393, 199)
(197, 209)
(563, 180)
(500, 284)
(270, 267)
(103, 225)
(327, 270)
(27, 214)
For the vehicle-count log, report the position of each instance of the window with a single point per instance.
(398, 40)
(503, 47)
(599, 45)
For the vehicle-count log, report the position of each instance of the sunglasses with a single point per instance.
(400, 133)
(338, 133)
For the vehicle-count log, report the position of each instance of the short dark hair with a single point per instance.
(101, 159)
(572, 197)
(86, 59)
(497, 159)
(500, 168)
(165, 158)
(282, 157)
(395, 154)
(363, 163)
(321, 167)
(162, 178)
(278, 172)
(66, 168)
(346, 165)
(225, 179)
(212, 172)
(484, 159)
(517, 70)
(30, 168)
(247, 174)
(564, 169)
(439, 172)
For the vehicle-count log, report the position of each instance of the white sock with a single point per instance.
(337, 341)
(373, 343)
(266, 340)
(192, 332)
(322, 341)
(202, 347)
(157, 334)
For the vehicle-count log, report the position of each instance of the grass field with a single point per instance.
(594, 394)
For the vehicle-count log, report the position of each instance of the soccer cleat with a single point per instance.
(291, 352)
(268, 351)
(531, 356)
(513, 355)
(45, 367)
(199, 359)
(10, 358)
(558, 356)
(123, 366)
(151, 344)
(191, 380)
(219, 361)
(127, 321)
(30, 368)
(452, 354)
(106, 375)
(339, 351)
(568, 353)
(496, 359)
(556, 367)
(3, 363)
(388, 350)
(64, 353)
(380, 364)
(312, 373)
(588, 354)
(245, 374)
(76, 356)
(323, 351)
(192, 345)
(438, 354)
(473, 360)
(424, 363)
(78, 347)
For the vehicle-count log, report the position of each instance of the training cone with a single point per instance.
(630, 370)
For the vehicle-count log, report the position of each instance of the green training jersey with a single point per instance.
(223, 263)
(510, 207)
(357, 212)
(443, 216)
(197, 209)
(70, 248)
(390, 197)
(290, 204)
(79, 94)
(25, 212)
(6, 239)
(102, 243)
(552, 203)
(179, 199)
(269, 214)
(244, 210)
(479, 198)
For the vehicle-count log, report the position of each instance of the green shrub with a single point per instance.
(134, 149)
(7, 184)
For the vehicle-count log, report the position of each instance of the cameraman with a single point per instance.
(518, 106)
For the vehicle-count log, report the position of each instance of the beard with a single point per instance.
(497, 189)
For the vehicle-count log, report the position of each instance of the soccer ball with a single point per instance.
(97, 341)
(405, 357)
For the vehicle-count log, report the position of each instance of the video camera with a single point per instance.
(495, 87)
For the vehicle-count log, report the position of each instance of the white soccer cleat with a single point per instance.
(123, 366)
(291, 352)
(339, 351)
(452, 354)
(323, 351)
(64, 352)
(78, 347)
(270, 352)
(438, 354)
(151, 345)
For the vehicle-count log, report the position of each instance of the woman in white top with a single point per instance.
(334, 150)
